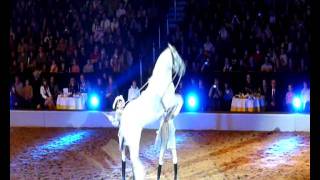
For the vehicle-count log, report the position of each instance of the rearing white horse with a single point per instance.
(158, 97)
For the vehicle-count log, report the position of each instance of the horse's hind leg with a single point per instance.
(123, 167)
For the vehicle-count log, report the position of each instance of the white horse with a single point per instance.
(158, 98)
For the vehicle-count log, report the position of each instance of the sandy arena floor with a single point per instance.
(64, 153)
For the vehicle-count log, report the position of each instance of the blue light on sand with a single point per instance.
(58, 144)
(283, 146)
(280, 151)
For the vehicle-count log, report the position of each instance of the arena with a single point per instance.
(175, 89)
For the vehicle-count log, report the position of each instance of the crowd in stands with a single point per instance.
(107, 37)
(79, 35)
(265, 36)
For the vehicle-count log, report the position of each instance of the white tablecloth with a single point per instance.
(73, 103)
(247, 105)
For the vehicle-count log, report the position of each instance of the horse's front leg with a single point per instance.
(138, 169)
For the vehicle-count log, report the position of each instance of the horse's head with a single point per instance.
(178, 65)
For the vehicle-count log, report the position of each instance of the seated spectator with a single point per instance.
(227, 97)
(215, 95)
(208, 47)
(274, 97)
(73, 88)
(27, 94)
(227, 66)
(63, 68)
(95, 56)
(283, 64)
(75, 67)
(252, 66)
(14, 103)
(54, 88)
(133, 91)
(305, 95)
(266, 66)
(47, 100)
(88, 68)
(289, 99)
(18, 88)
(54, 67)
(120, 11)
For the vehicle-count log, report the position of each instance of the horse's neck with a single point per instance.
(158, 84)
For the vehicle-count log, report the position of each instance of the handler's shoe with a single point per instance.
(175, 167)
(159, 172)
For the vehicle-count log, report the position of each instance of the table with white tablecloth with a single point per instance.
(77, 102)
(256, 104)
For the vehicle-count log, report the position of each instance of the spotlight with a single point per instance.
(297, 103)
(192, 102)
(94, 101)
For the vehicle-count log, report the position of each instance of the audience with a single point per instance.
(94, 37)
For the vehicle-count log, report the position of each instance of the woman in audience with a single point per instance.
(27, 94)
(289, 99)
(53, 67)
(75, 67)
(47, 100)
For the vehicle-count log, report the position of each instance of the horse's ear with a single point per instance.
(170, 46)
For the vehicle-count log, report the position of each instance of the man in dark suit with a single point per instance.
(248, 87)
(273, 97)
